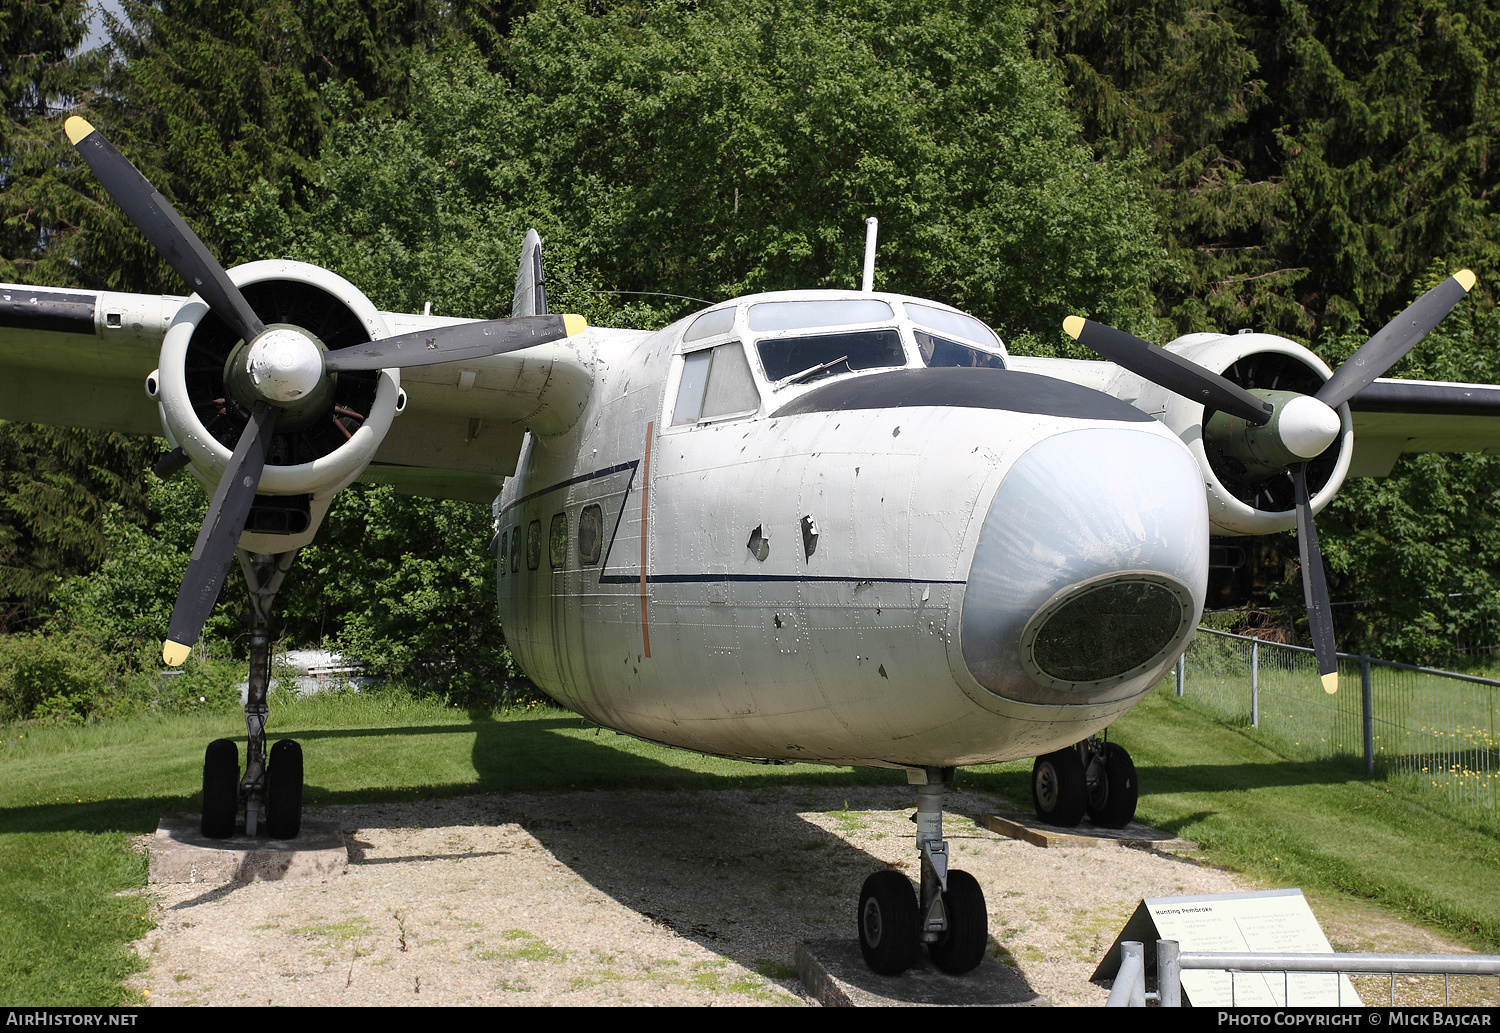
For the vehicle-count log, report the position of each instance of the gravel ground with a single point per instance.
(654, 898)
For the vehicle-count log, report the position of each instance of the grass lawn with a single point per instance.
(71, 799)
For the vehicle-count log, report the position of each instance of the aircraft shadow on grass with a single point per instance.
(724, 878)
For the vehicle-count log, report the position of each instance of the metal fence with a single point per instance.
(1438, 729)
(1129, 988)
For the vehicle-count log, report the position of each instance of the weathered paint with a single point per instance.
(849, 655)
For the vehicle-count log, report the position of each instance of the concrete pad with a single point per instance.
(834, 973)
(1027, 828)
(179, 852)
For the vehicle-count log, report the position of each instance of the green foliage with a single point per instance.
(64, 494)
(724, 148)
(70, 677)
(38, 198)
(218, 99)
(405, 585)
(400, 583)
(1312, 159)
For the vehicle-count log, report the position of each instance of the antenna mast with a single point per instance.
(871, 225)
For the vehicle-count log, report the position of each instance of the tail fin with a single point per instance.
(530, 298)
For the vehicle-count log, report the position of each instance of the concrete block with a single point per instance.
(835, 975)
(179, 853)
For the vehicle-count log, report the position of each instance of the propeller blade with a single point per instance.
(164, 228)
(219, 535)
(454, 343)
(1394, 340)
(1315, 585)
(1166, 369)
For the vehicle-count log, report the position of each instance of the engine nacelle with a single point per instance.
(317, 448)
(1241, 500)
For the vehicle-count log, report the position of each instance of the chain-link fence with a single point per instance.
(1438, 729)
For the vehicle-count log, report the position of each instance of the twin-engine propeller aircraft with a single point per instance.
(832, 526)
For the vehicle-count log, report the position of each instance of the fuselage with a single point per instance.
(830, 526)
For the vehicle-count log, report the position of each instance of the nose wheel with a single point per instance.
(947, 914)
(1093, 777)
(271, 792)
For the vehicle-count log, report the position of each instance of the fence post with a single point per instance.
(1182, 673)
(1255, 683)
(1129, 989)
(1168, 974)
(1367, 705)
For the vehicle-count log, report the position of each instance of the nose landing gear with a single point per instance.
(950, 916)
(275, 790)
(1093, 776)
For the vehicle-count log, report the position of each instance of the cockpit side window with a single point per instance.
(794, 360)
(936, 351)
(716, 382)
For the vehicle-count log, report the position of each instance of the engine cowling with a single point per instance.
(1245, 496)
(322, 442)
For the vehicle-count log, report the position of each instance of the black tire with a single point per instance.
(887, 920)
(963, 945)
(284, 790)
(221, 788)
(1058, 788)
(1112, 800)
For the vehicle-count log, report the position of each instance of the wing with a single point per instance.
(82, 358)
(1396, 416)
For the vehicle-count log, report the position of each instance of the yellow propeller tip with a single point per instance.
(174, 653)
(1073, 325)
(76, 128)
(1331, 683)
(1466, 279)
(574, 325)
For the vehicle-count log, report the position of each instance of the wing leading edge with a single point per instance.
(77, 358)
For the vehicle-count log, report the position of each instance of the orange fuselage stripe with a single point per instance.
(645, 487)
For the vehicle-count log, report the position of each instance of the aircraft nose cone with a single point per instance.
(1091, 568)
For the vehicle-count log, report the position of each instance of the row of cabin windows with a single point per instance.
(590, 541)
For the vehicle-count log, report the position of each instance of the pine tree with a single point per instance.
(1313, 159)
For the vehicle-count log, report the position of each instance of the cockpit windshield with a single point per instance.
(803, 359)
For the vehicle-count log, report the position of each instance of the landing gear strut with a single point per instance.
(949, 916)
(1092, 776)
(271, 792)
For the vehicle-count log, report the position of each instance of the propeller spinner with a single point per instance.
(1281, 430)
(279, 370)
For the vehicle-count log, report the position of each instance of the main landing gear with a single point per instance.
(950, 917)
(270, 791)
(1093, 776)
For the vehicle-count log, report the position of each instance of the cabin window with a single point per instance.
(504, 546)
(715, 382)
(515, 550)
(557, 540)
(795, 360)
(710, 324)
(936, 351)
(534, 545)
(590, 535)
(799, 315)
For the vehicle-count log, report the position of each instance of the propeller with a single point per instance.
(1296, 427)
(1169, 370)
(280, 369)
